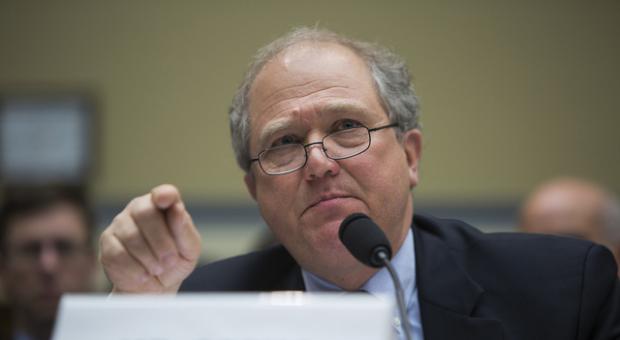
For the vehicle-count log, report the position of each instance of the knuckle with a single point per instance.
(169, 251)
(103, 238)
(142, 211)
(117, 221)
(138, 201)
(133, 202)
(164, 249)
(133, 240)
(112, 255)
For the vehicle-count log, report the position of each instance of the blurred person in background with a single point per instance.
(574, 207)
(45, 251)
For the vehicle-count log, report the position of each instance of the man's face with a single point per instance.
(46, 256)
(303, 94)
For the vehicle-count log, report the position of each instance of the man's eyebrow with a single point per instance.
(272, 128)
(344, 107)
(330, 108)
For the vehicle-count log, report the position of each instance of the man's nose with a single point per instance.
(49, 259)
(318, 164)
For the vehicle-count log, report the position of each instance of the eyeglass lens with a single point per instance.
(338, 145)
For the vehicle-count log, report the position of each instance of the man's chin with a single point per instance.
(330, 250)
(322, 232)
(336, 261)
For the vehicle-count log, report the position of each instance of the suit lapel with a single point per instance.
(291, 280)
(448, 295)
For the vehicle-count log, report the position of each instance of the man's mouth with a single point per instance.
(325, 199)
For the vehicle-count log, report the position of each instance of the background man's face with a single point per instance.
(304, 93)
(46, 255)
(566, 207)
(570, 207)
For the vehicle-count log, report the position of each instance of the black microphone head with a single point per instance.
(364, 239)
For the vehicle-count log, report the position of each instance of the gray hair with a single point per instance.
(389, 72)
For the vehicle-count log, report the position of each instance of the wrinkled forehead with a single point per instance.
(313, 78)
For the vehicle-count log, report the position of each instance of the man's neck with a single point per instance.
(353, 280)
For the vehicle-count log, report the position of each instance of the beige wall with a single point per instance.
(511, 93)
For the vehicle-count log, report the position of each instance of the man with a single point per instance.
(324, 127)
(574, 207)
(45, 251)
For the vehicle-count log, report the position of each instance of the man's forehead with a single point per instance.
(323, 77)
(327, 112)
(305, 60)
(61, 219)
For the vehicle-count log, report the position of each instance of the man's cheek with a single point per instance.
(278, 194)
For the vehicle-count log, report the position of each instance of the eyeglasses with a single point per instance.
(284, 159)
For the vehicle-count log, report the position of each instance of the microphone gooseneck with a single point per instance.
(369, 245)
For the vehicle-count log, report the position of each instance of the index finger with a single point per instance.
(164, 196)
(184, 231)
(167, 198)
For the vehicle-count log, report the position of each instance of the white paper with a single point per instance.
(273, 316)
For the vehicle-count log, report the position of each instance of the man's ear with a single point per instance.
(250, 184)
(412, 144)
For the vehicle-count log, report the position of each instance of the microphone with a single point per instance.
(367, 242)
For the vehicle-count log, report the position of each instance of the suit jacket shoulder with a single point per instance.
(513, 285)
(472, 285)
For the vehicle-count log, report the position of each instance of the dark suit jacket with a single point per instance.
(473, 285)
(6, 322)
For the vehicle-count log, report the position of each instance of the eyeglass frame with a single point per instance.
(305, 146)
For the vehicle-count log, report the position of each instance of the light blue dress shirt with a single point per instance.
(381, 284)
